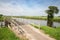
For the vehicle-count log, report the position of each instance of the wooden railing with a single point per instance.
(18, 28)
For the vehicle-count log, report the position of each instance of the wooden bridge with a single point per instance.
(26, 31)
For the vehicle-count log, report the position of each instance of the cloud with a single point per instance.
(24, 7)
(10, 9)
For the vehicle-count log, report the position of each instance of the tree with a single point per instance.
(51, 11)
(1, 17)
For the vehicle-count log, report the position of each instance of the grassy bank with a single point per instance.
(57, 19)
(53, 32)
(6, 34)
(32, 17)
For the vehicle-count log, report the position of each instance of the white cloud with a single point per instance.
(9, 9)
(19, 9)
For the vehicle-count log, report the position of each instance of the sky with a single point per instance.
(27, 7)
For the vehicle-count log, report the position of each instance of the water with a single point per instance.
(39, 22)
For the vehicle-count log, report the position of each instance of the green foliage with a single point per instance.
(1, 17)
(50, 12)
(54, 9)
(6, 34)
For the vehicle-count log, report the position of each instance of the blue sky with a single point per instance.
(27, 7)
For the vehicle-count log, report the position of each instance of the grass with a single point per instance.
(6, 34)
(31, 17)
(53, 32)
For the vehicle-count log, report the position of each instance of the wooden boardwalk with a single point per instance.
(31, 32)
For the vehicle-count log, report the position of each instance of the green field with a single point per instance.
(7, 34)
(53, 32)
(57, 19)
